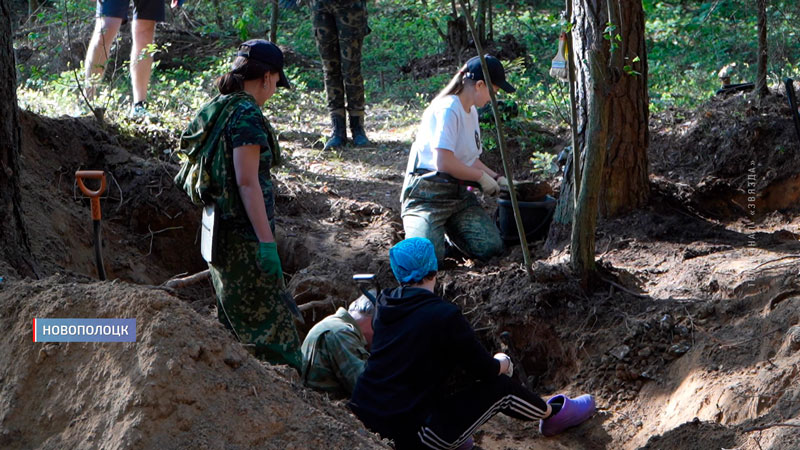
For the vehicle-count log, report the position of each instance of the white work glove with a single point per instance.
(506, 366)
(503, 183)
(488, 185)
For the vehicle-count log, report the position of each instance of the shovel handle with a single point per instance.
(94, 195)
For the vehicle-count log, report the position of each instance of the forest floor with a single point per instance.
(690, 342)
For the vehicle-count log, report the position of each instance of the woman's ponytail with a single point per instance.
(230, 83)
(242, 69)
(456, 84)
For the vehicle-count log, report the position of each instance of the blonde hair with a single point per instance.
(456, 84)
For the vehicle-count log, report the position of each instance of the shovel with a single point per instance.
(95, 198)
(365, 281)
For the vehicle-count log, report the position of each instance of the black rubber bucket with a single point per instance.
(536, 218)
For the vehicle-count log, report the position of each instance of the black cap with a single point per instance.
(268, 53)
(496, 71)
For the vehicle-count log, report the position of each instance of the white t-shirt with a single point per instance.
(445, 125)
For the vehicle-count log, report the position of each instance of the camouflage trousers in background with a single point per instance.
(249, 302)
(339, 29)
(433, 210)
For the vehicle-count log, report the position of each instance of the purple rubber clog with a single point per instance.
(467, 445)
(573, 412)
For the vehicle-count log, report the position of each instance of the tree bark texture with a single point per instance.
(597, 138)
(457, 36)
(15, 247)
(761, 76)
(624, 184)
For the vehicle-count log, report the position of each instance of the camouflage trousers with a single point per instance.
(435, 210)
(249, 302)
(339, 29)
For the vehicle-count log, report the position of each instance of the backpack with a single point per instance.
(199, 142)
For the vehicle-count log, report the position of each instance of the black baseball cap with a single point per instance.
(496, 72)
(268, 53)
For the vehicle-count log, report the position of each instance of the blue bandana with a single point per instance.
(412, 259)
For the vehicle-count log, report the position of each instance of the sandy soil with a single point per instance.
(183, 384)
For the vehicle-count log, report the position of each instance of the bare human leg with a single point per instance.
(141, 60)
(105, 31)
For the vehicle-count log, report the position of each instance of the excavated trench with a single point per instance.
(691, 327)
(148, 224)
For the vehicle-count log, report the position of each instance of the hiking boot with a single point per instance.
(139, 112)
(357, 131)
(573, 411)
(339, 136)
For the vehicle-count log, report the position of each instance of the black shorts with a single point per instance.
(142, 9)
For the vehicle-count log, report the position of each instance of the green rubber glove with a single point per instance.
(268, 260)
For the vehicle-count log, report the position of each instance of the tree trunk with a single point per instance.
(15, 248)
(597, 136)
(480, 20)
(624, 184)
(273, 22)
(761, 77)
(457, 36)
(218, 14)
(490, 20)
(33, 5)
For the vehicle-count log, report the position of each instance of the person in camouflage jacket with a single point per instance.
(335, 350)
(246, 270)
(339, 30)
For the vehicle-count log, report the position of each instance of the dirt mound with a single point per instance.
(707, 157)
(694, 322)
(185, 383)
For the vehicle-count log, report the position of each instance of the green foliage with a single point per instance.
(543, 164)
(687, 42)
(242, 24)
(609, 34)
(628, 68)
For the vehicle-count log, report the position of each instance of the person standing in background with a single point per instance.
(339, 30)
(110, 15)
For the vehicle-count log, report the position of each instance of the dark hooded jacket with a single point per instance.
(418, 341)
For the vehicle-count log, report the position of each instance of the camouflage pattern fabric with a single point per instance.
(247, 126)
(200, 141)
(248, 301)
(339, 29)
(334, 354)
(433, 210)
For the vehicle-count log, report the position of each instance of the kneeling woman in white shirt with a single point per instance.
(449, 142)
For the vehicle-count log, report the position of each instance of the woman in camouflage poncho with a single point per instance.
(246, 270)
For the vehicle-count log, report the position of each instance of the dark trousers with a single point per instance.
(450, 422)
